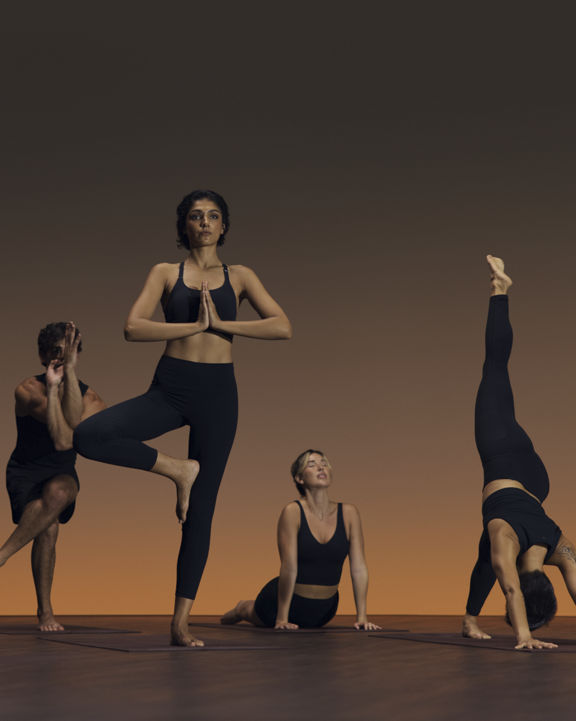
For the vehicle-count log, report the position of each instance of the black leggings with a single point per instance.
(505, 448)
(201, 395)
(305, 612)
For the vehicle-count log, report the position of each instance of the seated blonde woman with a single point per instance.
(315, 534)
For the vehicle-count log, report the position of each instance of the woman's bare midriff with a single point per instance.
(501, 483)
(308, 590)
(201, 348)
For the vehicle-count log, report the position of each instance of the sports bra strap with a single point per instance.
(181, 271)
(225, 269)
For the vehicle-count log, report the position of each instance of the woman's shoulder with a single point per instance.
(291, 511)
(165, 268)
(242, 272)
(164, 273)
(350, 511)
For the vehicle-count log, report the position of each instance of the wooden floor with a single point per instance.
(266, 675)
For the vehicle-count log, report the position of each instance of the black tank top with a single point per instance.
(526, 516)
(183, 303)
(320, 564)
(34, 443)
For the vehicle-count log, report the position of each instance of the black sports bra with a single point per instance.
(183, 303)
(320, 564)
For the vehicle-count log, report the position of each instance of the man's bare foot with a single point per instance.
(182, 637)
(47, 622)
(233, 616)
(498, 279)
(470, 629)
(184, 481)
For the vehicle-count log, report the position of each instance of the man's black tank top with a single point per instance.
(320, 564)
(34, 443)
(183, 303)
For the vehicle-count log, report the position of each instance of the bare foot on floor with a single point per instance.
(184, 481)
(233, 616)
(182, 637)
(472, 630)
(47, 622)
(499, 280)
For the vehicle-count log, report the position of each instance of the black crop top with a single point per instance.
(529, 522)
(320, 564)
(183, 303)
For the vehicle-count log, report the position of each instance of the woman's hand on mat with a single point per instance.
(213, 317)
(471, 629)
(54, 373)
(366, 625)
(203, 320)
(285, 626)
(530, 643)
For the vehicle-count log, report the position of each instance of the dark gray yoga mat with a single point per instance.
(261, 629)
(142, 643)
(496, 643)
(31, 629)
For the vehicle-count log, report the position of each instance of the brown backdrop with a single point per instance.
(370, 162)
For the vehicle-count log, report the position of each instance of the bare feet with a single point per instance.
(182, 637)
(184, 480)
(47, 622)
(470, 629)
(233, 616)
(498, 279)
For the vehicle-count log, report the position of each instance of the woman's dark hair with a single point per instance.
(49, 337)
(539, 599)
(187, 202)
(298, 466)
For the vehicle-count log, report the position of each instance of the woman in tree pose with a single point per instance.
(193, 384)
(518, 537)
(315, 535)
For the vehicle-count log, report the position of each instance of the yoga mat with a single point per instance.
(158, 642)
(32, 630)
(496, 643)
(324, 629)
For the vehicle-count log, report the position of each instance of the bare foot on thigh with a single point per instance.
(184, 482)
(499, 281)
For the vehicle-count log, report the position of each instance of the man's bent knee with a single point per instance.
(60, 492)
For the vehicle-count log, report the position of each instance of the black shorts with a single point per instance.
(25, 482)
(305, 612)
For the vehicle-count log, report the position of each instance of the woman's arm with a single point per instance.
(358, 567)
(288, 526)
(138, 325)
(273, 323)
(504, 551)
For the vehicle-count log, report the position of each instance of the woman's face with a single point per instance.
(204, 224)
(317, 473)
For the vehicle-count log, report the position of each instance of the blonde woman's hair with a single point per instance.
(299, 465)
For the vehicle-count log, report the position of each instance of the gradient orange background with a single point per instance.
(370, 163)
